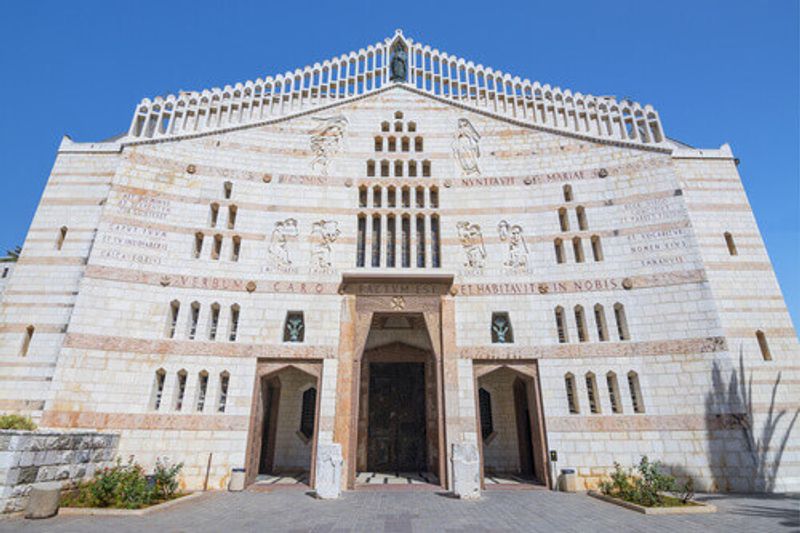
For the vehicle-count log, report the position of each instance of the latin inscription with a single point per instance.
(143, 206)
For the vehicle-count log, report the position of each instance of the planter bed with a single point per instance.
(692, 507)
(109, 511)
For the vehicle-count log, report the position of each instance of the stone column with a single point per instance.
(345, 380)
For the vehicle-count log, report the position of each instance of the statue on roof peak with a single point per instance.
(398, 65)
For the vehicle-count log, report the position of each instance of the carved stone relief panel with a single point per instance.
(466, 147)
(326, 140)
(323, 234)
(279, 241)
(517, 248)
(471, 239)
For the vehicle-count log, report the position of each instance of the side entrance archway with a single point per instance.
(510, 424)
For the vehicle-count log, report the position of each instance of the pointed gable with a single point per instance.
(370, 70)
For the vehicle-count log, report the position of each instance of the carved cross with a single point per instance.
(398, 303)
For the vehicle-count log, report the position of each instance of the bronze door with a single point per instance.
(396, 436)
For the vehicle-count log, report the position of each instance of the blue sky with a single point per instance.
(717, 71)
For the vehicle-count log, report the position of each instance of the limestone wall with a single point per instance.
(28, 458)
(103, 309)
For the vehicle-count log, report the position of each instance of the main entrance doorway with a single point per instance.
(398, 413)
(396, 434)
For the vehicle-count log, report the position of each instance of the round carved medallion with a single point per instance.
(191, 169)
(603, 173)
(266, 178)
(543, 289)
(251, 286)
(627, 284)
(528, 180)
(348, 182)
(448, 183)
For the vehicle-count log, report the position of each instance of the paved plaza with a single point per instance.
(409, 510)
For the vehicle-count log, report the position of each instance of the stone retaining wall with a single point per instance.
(31, 457)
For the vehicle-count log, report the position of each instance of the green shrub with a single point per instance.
(125, 486)
(644, 486)
(166, 479)
(16, 422)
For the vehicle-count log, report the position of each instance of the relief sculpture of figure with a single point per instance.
(326, 140)
(323, 234)
(517, 256)
(472, 242)
(278, 250)
(466, 148)
(500, 328)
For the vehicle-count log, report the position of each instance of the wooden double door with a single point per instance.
(396, 436)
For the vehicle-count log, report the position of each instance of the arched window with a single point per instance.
(198, 244)
(433, 195)
(234, 324)
(202, 389)
(384, 126)
(572, 394)
(158, 389)
(558, 244)
(731, 245)
(420, 241)
(26, 341)
(379, 144)
(561, 325)
(567, 193)
(600, 321)
(762, 344)
(613, 392)
(236, 248)
(591, 392)
(376, 241)
(412, 169)
(622, 322)
(180, 389)
(371, 168)
(436, 252)
(391, 236)
(636, 392)
(398, 168)
(502, 332)
(213, 215)
(580, 320)
(172, 323)
(62, 235)
(411, 127)
(405, 199)
(583, 224)
(563, 219)
(391, 197)
(224, 382)
(384, 169)
(361, 240)
(405, 236)
(194, 317)
(213, 323)
(398, 126)
(485, 408)
(418, 144)
(227, 190)
(216, 250)
(362, 196)
(405, 144)
(232, 211)
(376, 196)
(419, 195)
(577, 249)
(426, 169)
(392, 144)
(398, 115)
(307, 411)
(597, 249)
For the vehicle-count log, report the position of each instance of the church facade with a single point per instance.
(398, 261)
